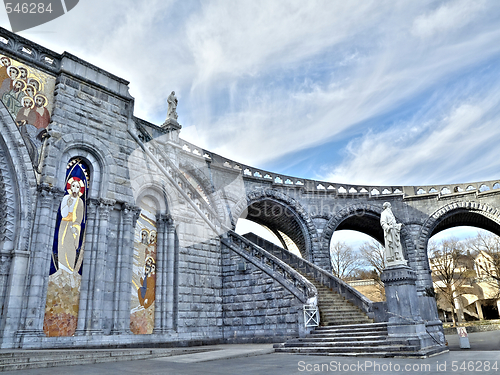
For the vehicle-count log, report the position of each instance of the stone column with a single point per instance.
(161, 239)
(105, 205)
(130, 214)
(13, 268)
(85, 288)
(94, 239)
(170, 287)
(41, 253)
(117, 328)
(498, 306)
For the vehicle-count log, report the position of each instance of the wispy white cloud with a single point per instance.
(426, 151)
(262, 80)
(374, 61)
(448, 16)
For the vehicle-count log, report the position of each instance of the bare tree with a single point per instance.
(486, 248)
(451, 270)
(345, 262)
(373, 254)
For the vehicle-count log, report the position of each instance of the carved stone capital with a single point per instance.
(58, 193)
(46, 194)
(136, 212)
(164, 218)
(92, 205)
(105, 205)
(129, 212)
(106, 202)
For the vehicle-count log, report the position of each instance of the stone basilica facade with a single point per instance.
(116, 232)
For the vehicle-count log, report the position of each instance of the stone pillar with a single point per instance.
(479, 310)
(498, 306)
(41, 253)
(161, 239)
(130, 214)
(85, 288)
(170, 287)
(93, 239)
(403, 307)
(105, 205)
(14, 271)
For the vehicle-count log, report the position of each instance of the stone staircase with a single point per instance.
(335, 309)
(366, 340)
(338, 302)
(347, 326)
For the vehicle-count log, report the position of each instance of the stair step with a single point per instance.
(357, 327)
(335, 338)
(349, 349)
(349, 314)
(347, 334)
(343, 344)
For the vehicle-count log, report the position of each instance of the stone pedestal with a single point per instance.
(173, 129)
(402, 305)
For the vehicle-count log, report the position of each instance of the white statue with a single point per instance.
(393, 249)
(172, 106)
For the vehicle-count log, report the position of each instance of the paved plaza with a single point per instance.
(483, 357)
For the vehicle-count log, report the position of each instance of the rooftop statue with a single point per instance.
(172, 106)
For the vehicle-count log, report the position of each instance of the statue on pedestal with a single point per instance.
(393, 248)
(172, 106)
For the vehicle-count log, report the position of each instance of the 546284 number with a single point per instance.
(28, 8)
(474, 366)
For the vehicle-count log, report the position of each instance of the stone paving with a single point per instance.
(260, 359)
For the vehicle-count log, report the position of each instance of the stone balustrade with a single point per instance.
(315, 272)
(338, 189)
(302, 288)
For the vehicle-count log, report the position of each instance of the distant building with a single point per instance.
(477, 294)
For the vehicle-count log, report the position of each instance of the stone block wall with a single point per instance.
(199, 306)
(256, 308)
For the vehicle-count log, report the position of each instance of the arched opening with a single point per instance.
(367, 223)
(365, 220)
(358, 258)
(273, 217)
(463, 248)
(244, 226)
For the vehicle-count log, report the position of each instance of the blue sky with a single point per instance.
(368, 92)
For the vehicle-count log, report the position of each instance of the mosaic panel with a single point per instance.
(28, 95)
(63, 293)
(142, 305)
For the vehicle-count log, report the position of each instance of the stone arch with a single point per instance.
(303, 231)
(18, 185)
(364, 218)
(456, 214)
(18, 190)
(156, 193)
(92, 150)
